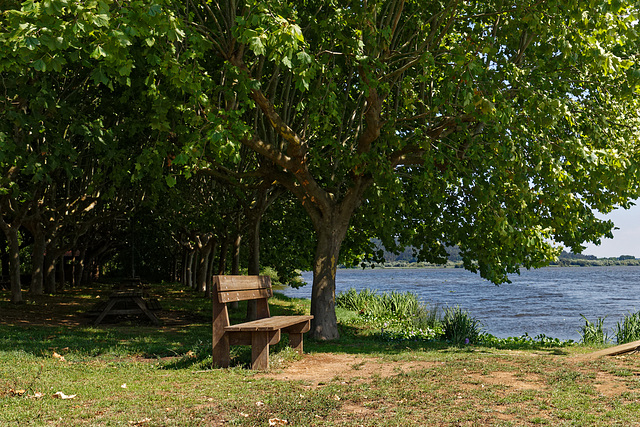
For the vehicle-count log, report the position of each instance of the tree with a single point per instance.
(85, 112)
(496, 126)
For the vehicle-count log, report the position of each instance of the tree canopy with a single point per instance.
(498, 127)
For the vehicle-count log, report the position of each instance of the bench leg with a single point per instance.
(220, 353)
(260, 350)
(295, 341)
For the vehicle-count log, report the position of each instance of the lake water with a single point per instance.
(546, 301)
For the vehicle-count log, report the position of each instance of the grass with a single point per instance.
(135, 374)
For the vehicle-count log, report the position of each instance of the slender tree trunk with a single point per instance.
(235, 260)
(79, 267)
(37, 263)
(224, 249)
(203, 267)
(254, 262)
(185, 263)
(50, 273)
(11, 234)
(4, 260)
(176, 264)
(60, 273)
(212, 263)
(193, 256)
(189, 268)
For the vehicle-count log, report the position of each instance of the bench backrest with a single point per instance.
(242, 288)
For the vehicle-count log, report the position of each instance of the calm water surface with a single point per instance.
(546, 301)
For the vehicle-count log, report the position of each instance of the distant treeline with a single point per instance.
(407, 258)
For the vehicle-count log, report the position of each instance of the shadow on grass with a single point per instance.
(187, 345)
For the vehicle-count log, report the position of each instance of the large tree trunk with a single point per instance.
(324, 325)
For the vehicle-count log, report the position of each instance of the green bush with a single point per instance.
(629, 329)
(460, 328)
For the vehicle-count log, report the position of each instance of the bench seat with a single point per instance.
(269, 324)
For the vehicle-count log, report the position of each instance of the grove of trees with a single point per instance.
(300, 131)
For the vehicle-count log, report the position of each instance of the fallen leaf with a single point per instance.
(259, 403)
(58, 356)
(123, 385)
(17, 392)
(242, 414)
(190, 354)
(278, 422)
(139, 423)
(336, 397)
(61, 395)
(36, 395)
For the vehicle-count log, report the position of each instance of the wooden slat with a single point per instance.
(231, 296)
(238, 283)
(269, 324)
(612, 351)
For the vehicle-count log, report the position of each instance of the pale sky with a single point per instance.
(626, 240)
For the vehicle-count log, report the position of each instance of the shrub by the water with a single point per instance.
(593, 333)
(460, 328)
(629, 329)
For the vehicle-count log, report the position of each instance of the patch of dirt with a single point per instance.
(511, 380)
(321, 368)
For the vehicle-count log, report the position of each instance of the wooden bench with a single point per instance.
(260, 333)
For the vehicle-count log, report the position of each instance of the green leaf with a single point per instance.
(125, 70)
(31, 42)
(56, 64)
(98, 53)
(99, 76)
(40, 65)
(101, 20)
(155, 10)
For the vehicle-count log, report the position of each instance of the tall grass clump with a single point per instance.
(593, 333)
(399, 315)
(629, 329)
(460, 328)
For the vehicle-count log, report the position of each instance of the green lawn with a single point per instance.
(136, 374)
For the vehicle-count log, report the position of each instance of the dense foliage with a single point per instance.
(497, 127)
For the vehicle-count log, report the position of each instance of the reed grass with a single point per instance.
(594, 333)
(628, 329)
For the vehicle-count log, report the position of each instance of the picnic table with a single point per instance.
(127, 302)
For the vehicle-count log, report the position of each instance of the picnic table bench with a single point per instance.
(260, 333)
